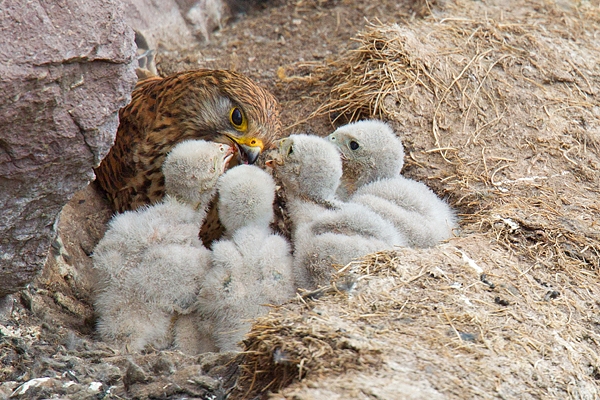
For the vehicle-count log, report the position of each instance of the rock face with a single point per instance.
(66, 67)
(173, 24)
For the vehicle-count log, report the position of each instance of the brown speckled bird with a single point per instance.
(213, 105)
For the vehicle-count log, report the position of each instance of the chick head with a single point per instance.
(308, 167)
(370, 151)
(246, 195)
(192, 169)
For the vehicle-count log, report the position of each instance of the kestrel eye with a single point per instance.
(237, 118)
(353, 145)
(291, 150)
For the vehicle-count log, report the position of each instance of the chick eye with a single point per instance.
(353, 145)
(290, 150)
(237, 118)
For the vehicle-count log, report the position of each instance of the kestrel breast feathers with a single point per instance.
(213, 105)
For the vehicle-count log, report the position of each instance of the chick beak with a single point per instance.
(249, 148)
(228, 156)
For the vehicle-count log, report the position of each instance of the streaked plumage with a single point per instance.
(213, 105)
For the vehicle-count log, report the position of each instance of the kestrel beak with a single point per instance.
(249, 148)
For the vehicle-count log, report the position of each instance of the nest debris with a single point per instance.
(497, 107)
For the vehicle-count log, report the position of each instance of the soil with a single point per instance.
(497, 106)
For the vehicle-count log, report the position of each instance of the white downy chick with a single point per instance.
(372, 159)
(150, 262)
(252, 266)
(326, 230)
(362, 164)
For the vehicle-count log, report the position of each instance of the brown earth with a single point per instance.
(496, 103)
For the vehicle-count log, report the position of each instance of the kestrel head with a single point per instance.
(227, 107)
(211, 105)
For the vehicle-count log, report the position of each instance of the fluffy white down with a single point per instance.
(326, 231)
(370, 151)
(372, 178)
(309, 167)
(150, 262)
(252, 266)
(413, 208)
(193, 334)
(249, 271)
(246, 195)
(336, 237)
(191, 171)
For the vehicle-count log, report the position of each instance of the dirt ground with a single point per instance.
(496, 103)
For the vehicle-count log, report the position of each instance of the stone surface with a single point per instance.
(66, 67)
(66, 281)
(174, 24)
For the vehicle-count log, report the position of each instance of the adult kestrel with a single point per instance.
(213, 105)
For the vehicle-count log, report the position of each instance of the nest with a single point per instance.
(285, 346)
(498, 112)
(497, 108)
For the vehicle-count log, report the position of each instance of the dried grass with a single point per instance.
(497, 107)
(470, 327)
(501, 109)
(286, 346)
